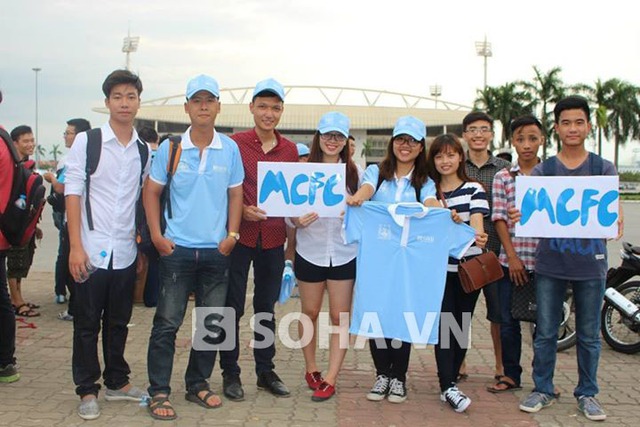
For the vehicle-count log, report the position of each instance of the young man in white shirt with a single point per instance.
(103, 235)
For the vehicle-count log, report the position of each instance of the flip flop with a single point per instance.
(161, 402)
(32, 305)
(29, 312)
(508, 386)
(193, 397)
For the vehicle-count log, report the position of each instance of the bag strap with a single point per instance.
(94, 148)
(175, 151)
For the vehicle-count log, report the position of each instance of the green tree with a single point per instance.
(599, 95)
(55, 152)
(623, 110)
(545, 89)
(504, 103)
(42, 152)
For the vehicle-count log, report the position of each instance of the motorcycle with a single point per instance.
(620, 320)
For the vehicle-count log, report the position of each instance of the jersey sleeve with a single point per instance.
(352, 224)
(237, 170)
(158, 173)
(428, 190)
(371, 175)
(462, 237)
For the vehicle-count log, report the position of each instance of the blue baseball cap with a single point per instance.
(334, 121)
(411, 126)
(303, 150)
(203, 82)
(269, 85)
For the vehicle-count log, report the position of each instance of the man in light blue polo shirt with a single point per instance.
(206, 204)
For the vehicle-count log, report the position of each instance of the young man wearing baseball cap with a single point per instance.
(261, 242)
(195, 247)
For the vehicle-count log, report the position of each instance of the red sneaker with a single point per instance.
(324, 392)
(314, 379)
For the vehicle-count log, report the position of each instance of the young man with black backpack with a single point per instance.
(56, 200)
(105, 170)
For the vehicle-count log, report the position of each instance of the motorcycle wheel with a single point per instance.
(567, 336)
(618, 331)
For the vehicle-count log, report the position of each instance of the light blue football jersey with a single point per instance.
(402, 268)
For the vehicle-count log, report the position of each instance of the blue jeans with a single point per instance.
(205, 272)
(587, 296)
(510, 334)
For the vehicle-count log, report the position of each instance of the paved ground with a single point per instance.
(45, 397)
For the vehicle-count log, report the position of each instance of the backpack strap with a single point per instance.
(175, 151)
(596, 165)
(143, 150)
(94, 148)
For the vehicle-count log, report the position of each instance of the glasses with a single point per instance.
(335, 136)
(479, 131)
(402, 140)
(65, 133)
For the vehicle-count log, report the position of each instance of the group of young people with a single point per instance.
(212, 232)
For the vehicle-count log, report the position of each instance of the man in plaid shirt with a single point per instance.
(482, 166)
(518, 254)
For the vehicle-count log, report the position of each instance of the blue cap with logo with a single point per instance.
(303, 150)
(411, 126)
(334, 121)
(269, 85)
(203, 82)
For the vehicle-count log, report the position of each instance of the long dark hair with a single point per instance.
(443, 143)
(420, 173)
(315, 156)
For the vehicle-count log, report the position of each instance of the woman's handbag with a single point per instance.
(479, 271)
(523, 301)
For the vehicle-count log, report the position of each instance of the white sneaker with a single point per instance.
(457, 399)
(380, 389)
(134, 394)
(89, 409)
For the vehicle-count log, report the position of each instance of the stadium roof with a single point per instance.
(367, 109)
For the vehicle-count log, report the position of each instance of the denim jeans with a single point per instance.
(7, 319)
(510, 334)
(267, 271)
(106, 296)
(205, 272)
(587, 296)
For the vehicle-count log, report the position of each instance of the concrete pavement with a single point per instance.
(45, 394)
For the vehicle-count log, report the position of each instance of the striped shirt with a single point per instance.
(504, 197)
(468, 199)
(485, 174)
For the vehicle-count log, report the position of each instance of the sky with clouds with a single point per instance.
(402, 46)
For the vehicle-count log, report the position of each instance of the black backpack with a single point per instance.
(24, 192)
(143, 235)
(596, 165)
(94, 149)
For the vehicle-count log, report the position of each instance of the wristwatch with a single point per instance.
(234, 235)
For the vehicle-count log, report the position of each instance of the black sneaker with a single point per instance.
(232, 388)
(9, 373)
(380, 389)
(271, 382)
(397, 391)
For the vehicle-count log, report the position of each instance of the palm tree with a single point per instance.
(504, 103)
(599, 96)
(42, 152)
(623, 111)
(546, 88)
(55, 151)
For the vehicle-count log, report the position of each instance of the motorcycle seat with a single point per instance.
(628, 247)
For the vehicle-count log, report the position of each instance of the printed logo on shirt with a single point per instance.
(219, 169)
(599, 256)
(183, 167)
(426, 239)
(384, 232)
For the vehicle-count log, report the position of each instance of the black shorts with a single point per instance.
(308, 272)
(492, 299)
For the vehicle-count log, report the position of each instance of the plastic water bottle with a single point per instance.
(92, 267)
(288, 282)
(21, 202)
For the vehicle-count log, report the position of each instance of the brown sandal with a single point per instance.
(29, 312)
(161, 402)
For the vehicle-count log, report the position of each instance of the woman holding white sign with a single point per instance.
(324, 261)
(468, 198)
(401, 177)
